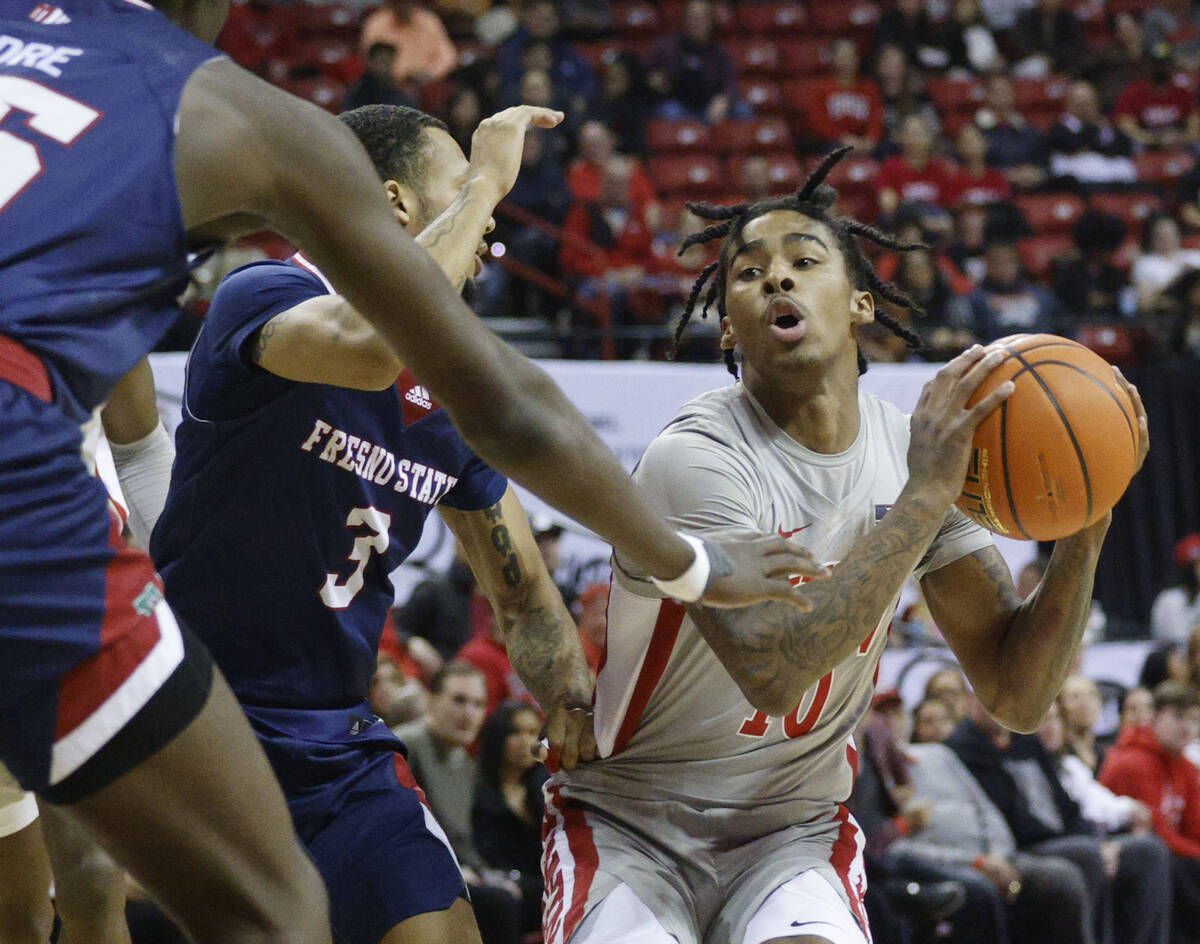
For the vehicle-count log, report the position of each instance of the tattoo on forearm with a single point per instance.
(502, 542)
(447, 226)
(535, 648)
(773, 644)
(263, 338)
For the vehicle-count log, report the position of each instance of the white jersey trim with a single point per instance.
(74, 749)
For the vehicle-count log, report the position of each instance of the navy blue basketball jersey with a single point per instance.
(92, 247)
(291, 503)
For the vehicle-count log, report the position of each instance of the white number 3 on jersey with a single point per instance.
(337, 596)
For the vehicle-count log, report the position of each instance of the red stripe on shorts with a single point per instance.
(845, 849)
(658, 653)
(583, 854)
(21, 367)
(406, 778)
(126, 636)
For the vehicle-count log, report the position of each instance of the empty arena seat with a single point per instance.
(805, 56)
(855, 18)
(752, 135)
(754, 56)
(769, 19)
(855, 173)
(763, 95)
(673, 136)
(334, 57)
(635, 16)
(1162, 167)
(696, 175)
(1132, 207)
(1111, 341)
(783, 170)
(955, 95)
(322, 90)
(333, 20)
(1050, 213)
(1039, 252)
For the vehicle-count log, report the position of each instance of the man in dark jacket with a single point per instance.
(1132, 882)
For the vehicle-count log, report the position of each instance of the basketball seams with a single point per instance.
(1099, 383)
(1087, 482)
(1012, 505)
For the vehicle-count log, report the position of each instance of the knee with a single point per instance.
(25, 921)
(88, 886)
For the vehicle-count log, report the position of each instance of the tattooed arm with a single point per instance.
(538, 632)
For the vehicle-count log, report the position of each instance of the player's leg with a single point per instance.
(804, 910)
(25, 913)
(605, 884)
(203, 827)
(389, 868)
(105, 707)
(89, 887)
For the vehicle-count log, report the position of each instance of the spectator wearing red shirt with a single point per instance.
(1157, 113)
(845, 108)
(914, 175)
(1147, 763)
(973, 180)
(607, 248)
(597, 145)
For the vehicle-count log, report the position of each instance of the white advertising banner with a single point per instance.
(627, 403)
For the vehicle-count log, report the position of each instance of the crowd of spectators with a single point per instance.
(1041, 146)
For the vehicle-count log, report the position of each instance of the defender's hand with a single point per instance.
(499, 140)
(1139, 411)
(745, 572)
(942, 428)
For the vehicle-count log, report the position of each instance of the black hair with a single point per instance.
(815, 200)
(495, 731)
(394, 136)
(1154, 668)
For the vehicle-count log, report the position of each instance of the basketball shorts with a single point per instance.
(366, 825)
(18, 808)
(650, 878)
(95, 673)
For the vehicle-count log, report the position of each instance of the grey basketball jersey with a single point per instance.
(671, 723)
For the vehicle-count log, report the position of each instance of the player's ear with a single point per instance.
(403, 201)
(728, 335)
(862, 307)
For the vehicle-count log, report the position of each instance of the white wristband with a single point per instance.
(688, 586)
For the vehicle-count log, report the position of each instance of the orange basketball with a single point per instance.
(1060, 451)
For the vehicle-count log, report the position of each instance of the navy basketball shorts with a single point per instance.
(95, 673)
(365, 823)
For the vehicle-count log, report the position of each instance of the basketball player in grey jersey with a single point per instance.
(714, 815)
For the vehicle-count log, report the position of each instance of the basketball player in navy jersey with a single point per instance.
(128, 144)
(307, 465)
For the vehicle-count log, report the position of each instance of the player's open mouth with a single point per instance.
(787, 321)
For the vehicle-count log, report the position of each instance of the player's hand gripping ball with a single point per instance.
(1059, 452)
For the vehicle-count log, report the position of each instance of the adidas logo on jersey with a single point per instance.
(48, 13)
(419, 396)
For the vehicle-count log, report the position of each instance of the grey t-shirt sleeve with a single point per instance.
(699, 486)
(957, 537)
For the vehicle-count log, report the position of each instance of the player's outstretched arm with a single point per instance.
(538, 632)
(774, 654)
(1018, 653)
(325, 340)
(249, 155)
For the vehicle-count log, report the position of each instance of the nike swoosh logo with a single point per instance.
(788, 534)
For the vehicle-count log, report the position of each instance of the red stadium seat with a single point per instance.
(768, 19)
(1038, 252)
(335, 58)
(1039, 93)
(752, 135)
(1110, 341)
(809, 56)
(1190, 242)
(323, 91)
(861, 206)
(1050, 213)
(330, 20)
(696, 175)
(754, 56)
(854, 174)
(1133, 208)
(763, 95)
(855, 18)
(637, 17)
(1162, 167)
(783, 171)
(955, 95)
(666, 136)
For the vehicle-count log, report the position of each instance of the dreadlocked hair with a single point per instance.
(814, 199)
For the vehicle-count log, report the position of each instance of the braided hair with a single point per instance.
(815, 200)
